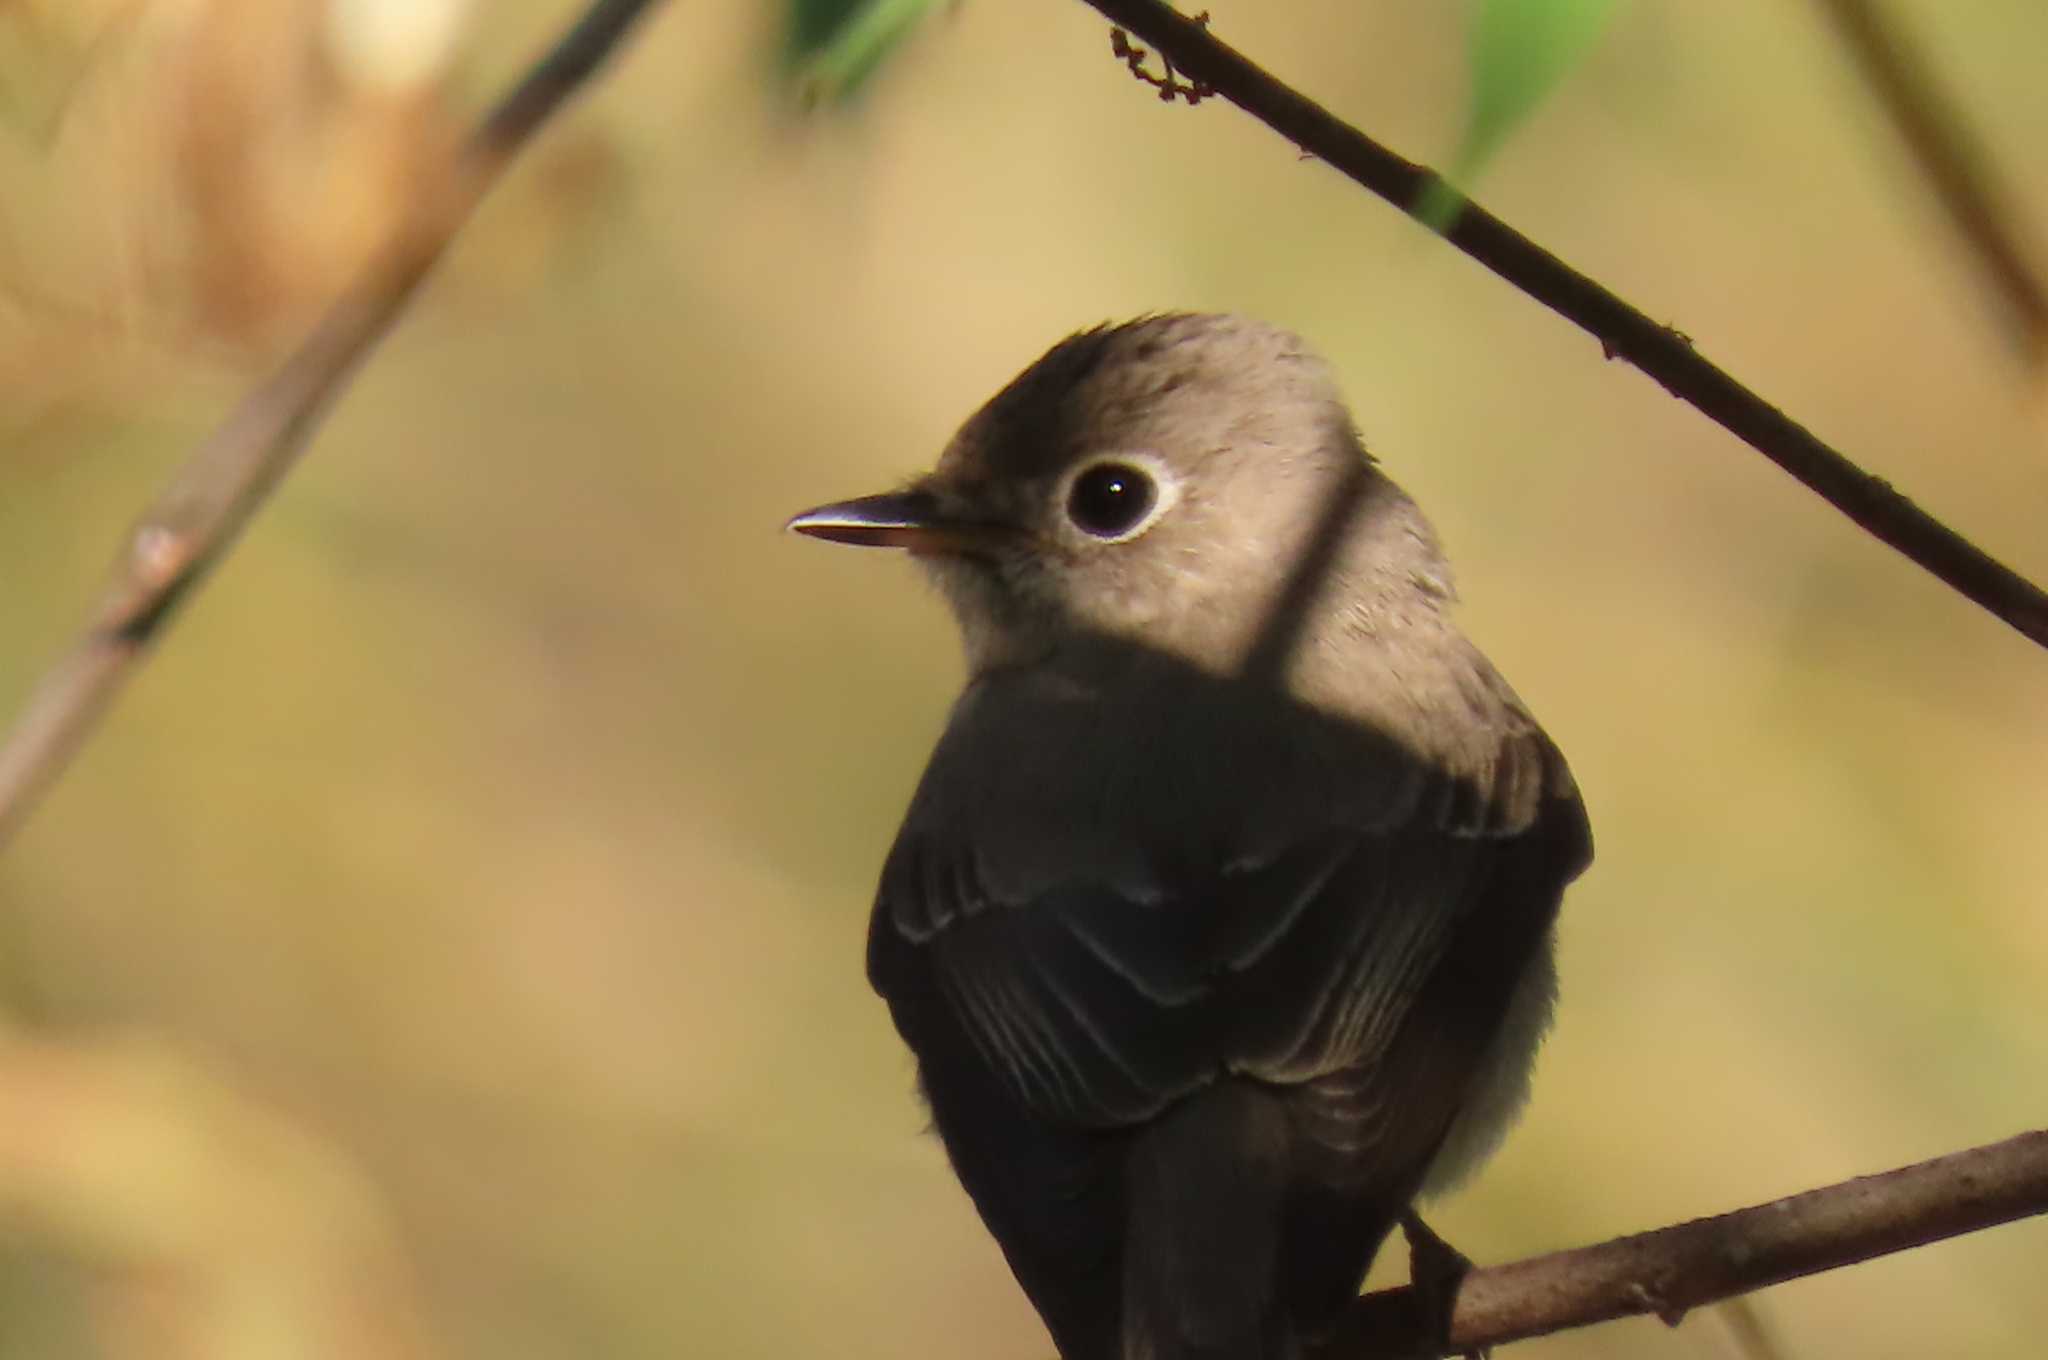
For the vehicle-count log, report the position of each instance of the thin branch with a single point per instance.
(209, 500)
(1950, 160)
(1670, 1271)
(1623, 332)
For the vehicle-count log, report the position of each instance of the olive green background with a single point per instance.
(504, 815)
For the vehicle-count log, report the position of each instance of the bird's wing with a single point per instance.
(1108, 937)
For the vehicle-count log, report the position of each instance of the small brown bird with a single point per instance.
(1221, 922)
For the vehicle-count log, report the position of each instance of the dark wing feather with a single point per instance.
(1071, 944)
(1052, 1195)
(1096, 1009)
(1111, 938)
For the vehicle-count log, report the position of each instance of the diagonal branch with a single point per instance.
(212, 497)
(1675, 1269)
(1954, 167)
(1623, 332)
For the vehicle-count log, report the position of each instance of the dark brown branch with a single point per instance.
(209, 500)
(1660, 351)
(1170, 86)
(1670, 1271)
(1947, 156)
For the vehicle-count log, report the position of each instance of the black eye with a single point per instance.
(1109, 499)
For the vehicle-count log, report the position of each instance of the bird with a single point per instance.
(1222, 921)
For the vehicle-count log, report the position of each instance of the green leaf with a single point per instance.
(831, 47)
(1520, 51)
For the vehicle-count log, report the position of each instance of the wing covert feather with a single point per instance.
(1109, 945)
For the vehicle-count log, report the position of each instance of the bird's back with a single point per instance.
(1201, 976)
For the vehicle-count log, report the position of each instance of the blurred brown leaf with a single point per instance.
(219, 167)
(218, 1227)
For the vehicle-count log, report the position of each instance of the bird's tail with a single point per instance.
(1201, 1257)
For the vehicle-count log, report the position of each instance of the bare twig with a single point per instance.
(1170, 86)
(1672, 1270)
(1660, 351)
(203, 510)
(1949, 159)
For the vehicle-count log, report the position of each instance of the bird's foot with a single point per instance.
(1435, 1269)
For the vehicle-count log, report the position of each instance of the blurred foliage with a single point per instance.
(197, 179)
(40, 66)
(1520, 50)
(219, 1229)
(831, 47)
(461, 918)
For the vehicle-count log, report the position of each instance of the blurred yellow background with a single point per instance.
(458, 928)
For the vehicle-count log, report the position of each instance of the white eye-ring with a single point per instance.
(1115, 498)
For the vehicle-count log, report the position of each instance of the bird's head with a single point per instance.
(1154, 482)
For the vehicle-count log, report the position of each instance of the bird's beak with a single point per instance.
(897, 519)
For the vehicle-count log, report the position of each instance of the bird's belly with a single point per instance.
(1500, 1087)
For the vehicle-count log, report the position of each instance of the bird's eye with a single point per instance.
(1110, 500)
